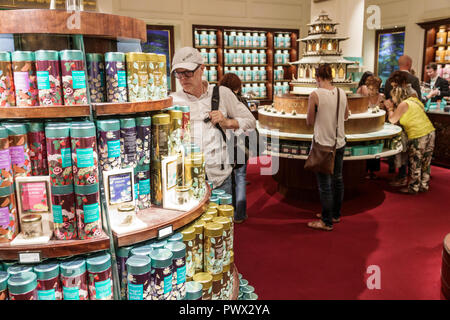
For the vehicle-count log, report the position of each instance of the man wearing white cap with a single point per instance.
(188, 67)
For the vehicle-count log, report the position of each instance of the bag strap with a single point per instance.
(337, 114)
(215, 99)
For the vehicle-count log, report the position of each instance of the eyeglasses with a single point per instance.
(185, 74)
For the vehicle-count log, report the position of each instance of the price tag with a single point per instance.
(165, 231)
(29, 257)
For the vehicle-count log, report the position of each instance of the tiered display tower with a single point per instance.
(98, 33)
(289, 137)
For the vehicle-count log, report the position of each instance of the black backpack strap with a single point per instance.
(215, 106)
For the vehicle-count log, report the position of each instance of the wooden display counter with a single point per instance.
(441, 121)
(445, 270)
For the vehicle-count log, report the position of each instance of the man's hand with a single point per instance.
(217, 117)
(433, 93)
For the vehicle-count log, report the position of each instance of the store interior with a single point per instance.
(104, 195)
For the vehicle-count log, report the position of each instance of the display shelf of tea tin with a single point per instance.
(246, 48)
(157, 218)
(106, 109)
(45, 112)
(56, 248)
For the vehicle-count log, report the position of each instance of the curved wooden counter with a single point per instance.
(445, 270)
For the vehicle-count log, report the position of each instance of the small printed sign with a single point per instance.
(165, 231)
(29, 257)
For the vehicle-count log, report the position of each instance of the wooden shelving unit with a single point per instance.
(56, 248)
(157, 218)
(270, 49)
(45, 112)
(430, 46)
(107, 109)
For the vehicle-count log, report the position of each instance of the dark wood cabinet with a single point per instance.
(271, 48)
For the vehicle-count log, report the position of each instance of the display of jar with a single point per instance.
(160, 149)
(64, 213)
(161, 274)
(189, 240)
(4, 276)
(38, 149)
(194, 171)
(441, 35)
(138, 278)
(186, 124)
(96, 77)
(31, 226)
(440, 54)
(128, 135)
(217, 286)
(23, 286)
(18, 149)
(18, 269)
(88, 211)
(227, 283)
(227, 238)
(178, 250)
(197, 38)
(262, 40)
(9, 225)
(158, 244)
(160, 77)
(100, 282)
(144, 188)
(205, 279)
(108, 132)
(255, 40)
(227, 211)
(25, 80)
(204, 39)
(122, 255)
(262, 57)
(143, 127)
(74, 279)
(213, 248)
(116, 77)
(84, 153)
(48, 286)
(142, 250)
(137, 76)
(73, 77)
(194, 290)
(48, 72)
(59, 154)
(232, 40)
(6, 171)
(7, 90)
(178, 236)
(240, 39)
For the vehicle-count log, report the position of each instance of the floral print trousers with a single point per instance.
(420, 151)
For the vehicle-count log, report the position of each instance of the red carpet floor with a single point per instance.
(401, 234)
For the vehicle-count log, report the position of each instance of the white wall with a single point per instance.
(405, 13)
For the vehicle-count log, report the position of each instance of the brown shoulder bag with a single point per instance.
(321, 158)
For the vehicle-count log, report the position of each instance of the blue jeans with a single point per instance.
(240, 196)
(331, 190)
(227, 185)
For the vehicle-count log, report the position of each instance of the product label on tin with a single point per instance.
(103, 289)
(17, 155)
(122, 75)
(21, 81)
(85, 158)
(135, 291)
(79, 79)
(120, 188)
(43, 80)
(57, 214)
(91, 212)
(72, 293)
(5, 159)
(4, 216)
(167, 284)
(144, 187)
(34, 197)
(66, 156)
(181, 275)
(113, 148)
(46, 294)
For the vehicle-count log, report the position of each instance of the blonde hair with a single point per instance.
(400, 93)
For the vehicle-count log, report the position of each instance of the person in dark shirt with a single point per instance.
(404, 65)
(439, 86)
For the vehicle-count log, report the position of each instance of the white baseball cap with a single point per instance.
(187, 58)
